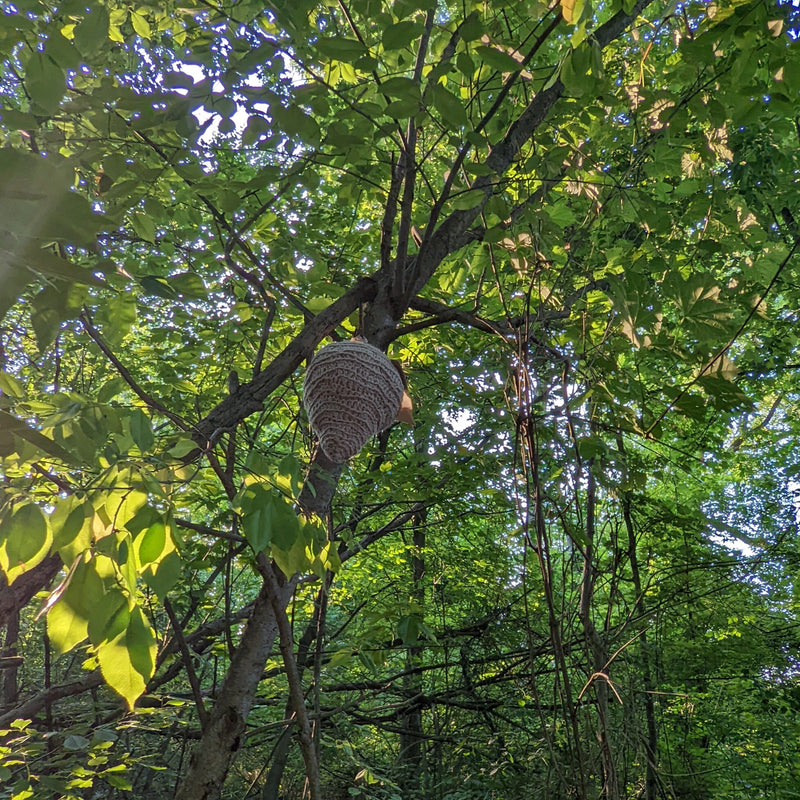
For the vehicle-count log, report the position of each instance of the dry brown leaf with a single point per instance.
(406, 412)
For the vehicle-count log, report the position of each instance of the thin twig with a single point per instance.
(147, 399)
(293, 676)
(202, 714)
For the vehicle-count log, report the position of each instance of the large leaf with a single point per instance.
(127, 661)
(10, 427)
(572, 10)
(25, 540)
(81, 601)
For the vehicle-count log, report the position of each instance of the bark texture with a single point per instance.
(222, 737)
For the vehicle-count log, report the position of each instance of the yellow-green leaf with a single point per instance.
(25, 540)
(572, 10)
(128, 660)
(140, 24)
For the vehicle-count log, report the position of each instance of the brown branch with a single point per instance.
(408, 169)
(286, 645)
(202, 714)
(216, 533)
(389, 214)
(401, 519)
(438, 244)
(15, 597)
(32, 707)
(249, 398)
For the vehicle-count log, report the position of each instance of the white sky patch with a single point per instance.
(208, 120)
(733, 543)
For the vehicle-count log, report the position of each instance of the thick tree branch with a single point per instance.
(408, 169)
(286, 645)
(438, 244)
(223, 736)
(32, 707)
(249, 397)
(19, 594)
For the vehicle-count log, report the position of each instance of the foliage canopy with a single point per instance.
(573, 224)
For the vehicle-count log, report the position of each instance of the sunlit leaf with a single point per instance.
(25, 540)
(128, 660)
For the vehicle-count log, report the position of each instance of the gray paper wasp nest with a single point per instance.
(351, 392)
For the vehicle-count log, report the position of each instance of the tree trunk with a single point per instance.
(222, 738)
(651, 742)
(411, 756)
(597, 649)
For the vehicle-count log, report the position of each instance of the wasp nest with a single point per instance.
(351, 392)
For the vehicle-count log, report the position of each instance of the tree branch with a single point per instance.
(202, 714)
(149, 401)
(286, 645)
(249, 397)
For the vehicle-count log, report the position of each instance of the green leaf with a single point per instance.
(401, 34)
(327, 559)
(150, 545)
(14, 279)
(256, 506)
(118, 781)
(450, 107)
(572, 10)
(575, 70)
(10, 426)
(75, 742)
(141, 430)
(292, 560)
(91, 35)
(285, 524)
(293, 121)
(109, 618)
(144, 517)
(158, 286)
(62, 52)
(289, 477)
(45, 82)
(17, 120)
(25, 540)
(55, 303)
(68, 619)
(10, 386)
(128, 660)
(401, 88)
(69, 523)
(471, 28)
(141, 25)
(37, 205)
(497, 59)
(469, 199)
(560, 213)
(166, 574)
(342, 49)
(401, 109)
(65, 627)
(144, 226)
(53, 266)
(409, 628)
(117, 316)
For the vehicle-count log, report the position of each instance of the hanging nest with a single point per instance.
(351, 392)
